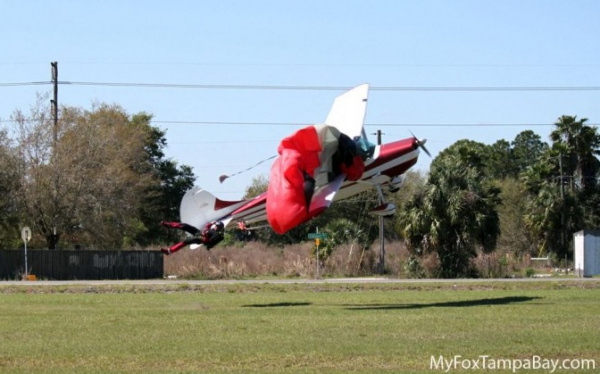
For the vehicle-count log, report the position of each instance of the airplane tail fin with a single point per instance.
(348, 111)
(199, 207)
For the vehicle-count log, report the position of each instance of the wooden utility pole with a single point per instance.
(379, 133)
(562, 210)
(381, 231)
(53, 236)
(54, 104)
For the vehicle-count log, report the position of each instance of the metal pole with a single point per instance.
(26, 268)
(381, 222)
(381, 247)
(26, 236)
(318, 255)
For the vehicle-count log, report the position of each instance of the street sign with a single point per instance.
(317, 235)
(26, 234)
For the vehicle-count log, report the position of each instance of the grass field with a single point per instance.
(371, 328)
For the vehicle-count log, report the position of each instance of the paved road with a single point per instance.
(163, 282)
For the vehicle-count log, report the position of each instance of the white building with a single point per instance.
(587, 253)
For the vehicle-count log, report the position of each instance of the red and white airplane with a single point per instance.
(384, 167)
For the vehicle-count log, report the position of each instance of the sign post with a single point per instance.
(26, 236)
(317, 236)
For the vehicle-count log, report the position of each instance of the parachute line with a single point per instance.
(224, 176)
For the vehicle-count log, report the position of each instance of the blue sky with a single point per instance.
(324, 43)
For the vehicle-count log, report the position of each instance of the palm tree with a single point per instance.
(554, 211)
(581, 144)
(454, 214)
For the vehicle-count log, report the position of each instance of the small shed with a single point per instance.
(587, 253)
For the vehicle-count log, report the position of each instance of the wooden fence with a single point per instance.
(82, 264)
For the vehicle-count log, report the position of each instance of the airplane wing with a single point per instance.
(199, 207)
(325, 195)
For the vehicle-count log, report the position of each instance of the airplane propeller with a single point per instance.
(421, 143)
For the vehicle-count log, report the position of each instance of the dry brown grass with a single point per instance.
(251, 260)
(255, 259)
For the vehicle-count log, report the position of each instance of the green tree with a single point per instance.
(259, 185)
(467, 151)
(344, 231)
(564, 186)
(87, 186)
(579, 145)
(9, 177)
(414, 180)
(355, 210)
(499, 160)
(549, 220)
(527, 148)
(514, 235)
(503, 159)
(164, 197)
(455, 213)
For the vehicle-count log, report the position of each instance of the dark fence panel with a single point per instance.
(73, 265)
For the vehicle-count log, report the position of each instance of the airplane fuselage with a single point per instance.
(389, 160)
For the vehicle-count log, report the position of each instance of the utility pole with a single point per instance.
(379, 133)
(53, 242)
(381, 231)
(54, 104)
(562, 209)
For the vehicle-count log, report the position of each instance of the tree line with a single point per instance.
(527, 195)
(99, 178)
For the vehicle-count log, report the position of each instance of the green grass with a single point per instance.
(291, 328)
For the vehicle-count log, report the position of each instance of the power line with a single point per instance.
(317, 64)
(332, 88)
(460, 124)
(245, 123)
(25, 84)
(232, 123)
(366, 124)
(313, 88)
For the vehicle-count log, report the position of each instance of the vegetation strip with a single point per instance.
(310, 286)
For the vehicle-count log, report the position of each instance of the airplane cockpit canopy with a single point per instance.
(366, 149)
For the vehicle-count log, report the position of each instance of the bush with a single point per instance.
(491, 265)
(529, 272)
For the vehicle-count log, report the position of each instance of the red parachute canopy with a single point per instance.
(312, 150)
(299, 157)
